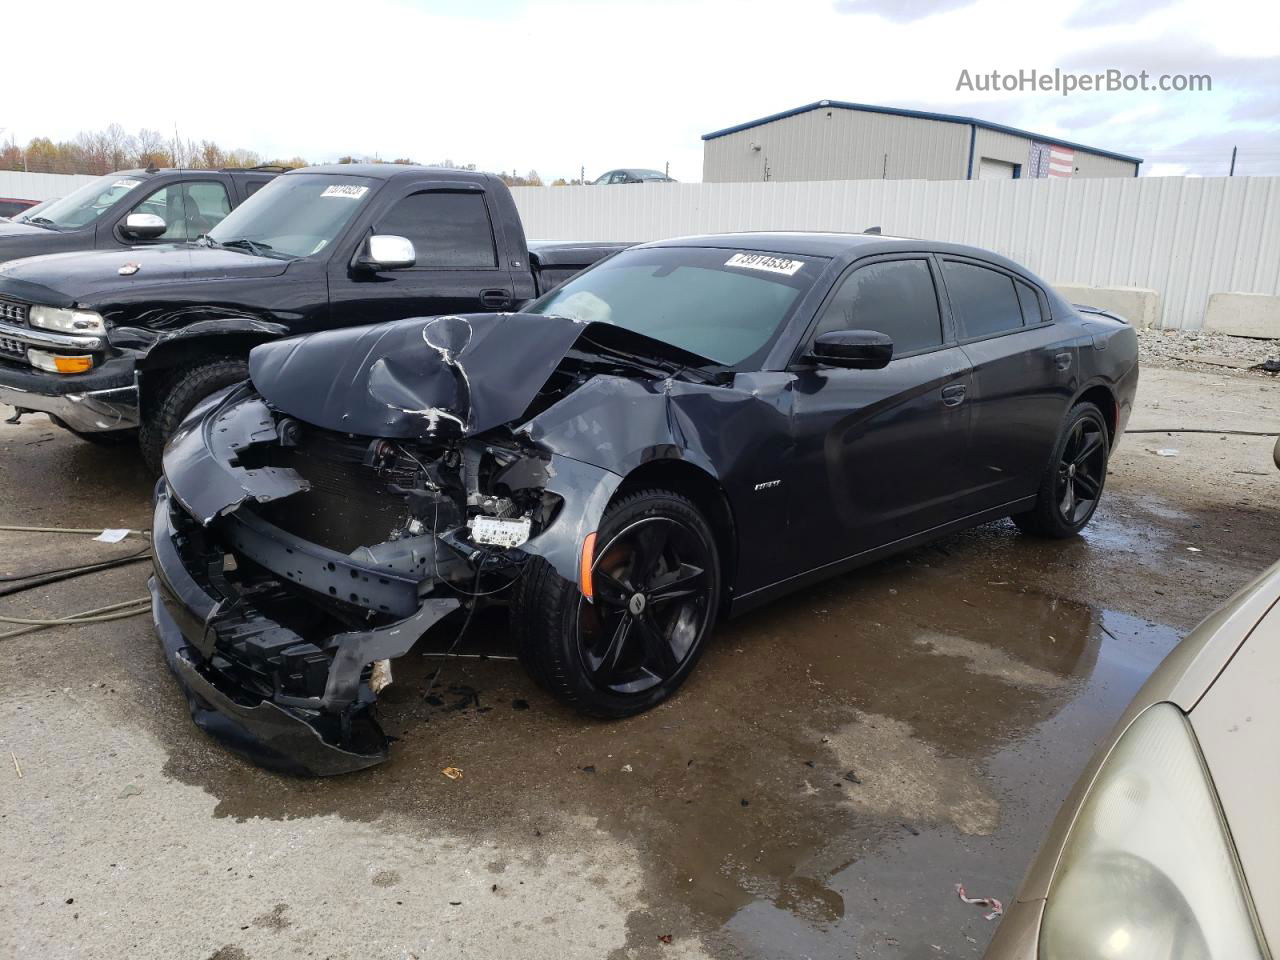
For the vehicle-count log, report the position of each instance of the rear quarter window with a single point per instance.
(1029, 300)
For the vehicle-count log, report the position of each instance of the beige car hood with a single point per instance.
(1238, 725)
(1184, 678)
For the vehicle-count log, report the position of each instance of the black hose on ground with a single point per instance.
(18, 582)
(1229, 433)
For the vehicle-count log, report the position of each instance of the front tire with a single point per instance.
(177, 395)
(1071, 486)
(656, 578)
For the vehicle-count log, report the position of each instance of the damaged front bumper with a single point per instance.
(208, 637)
(101, 400)
(274, 636)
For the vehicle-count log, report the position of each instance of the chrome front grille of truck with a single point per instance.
(13, 311)
(9, 347)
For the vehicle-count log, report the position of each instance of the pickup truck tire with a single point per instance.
(1071, 486)
(175, 396)
(657, 586)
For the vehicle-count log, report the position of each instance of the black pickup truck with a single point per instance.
(115, 212)
(114, 344)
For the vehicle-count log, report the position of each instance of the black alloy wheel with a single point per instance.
(651, 607)
(1071, 487)
(1082, 470)
(655, 576)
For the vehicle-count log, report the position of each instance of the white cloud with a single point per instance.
(556, 85)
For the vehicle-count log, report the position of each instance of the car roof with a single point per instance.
(389, 171)
(830, 245)
(157, 171)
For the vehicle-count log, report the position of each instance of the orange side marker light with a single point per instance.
(588, 558)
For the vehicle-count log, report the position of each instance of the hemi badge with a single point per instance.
(767, 484)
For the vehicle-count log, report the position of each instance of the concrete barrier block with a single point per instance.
(1244, 315)
(1138, 305)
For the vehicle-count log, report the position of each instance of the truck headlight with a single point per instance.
(66, 321)
(1148, 871)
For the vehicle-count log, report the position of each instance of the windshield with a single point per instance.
(727, 305)
(297, 215)
(81, 207)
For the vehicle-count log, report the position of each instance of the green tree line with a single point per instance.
(113, 148)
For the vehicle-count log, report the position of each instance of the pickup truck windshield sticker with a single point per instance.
(762, 261)
(127, 183)
(348, 190)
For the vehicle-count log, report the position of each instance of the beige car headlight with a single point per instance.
(1149, 871)
(66, 321)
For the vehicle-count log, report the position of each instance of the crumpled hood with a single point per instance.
(89, 276)
(430, 376)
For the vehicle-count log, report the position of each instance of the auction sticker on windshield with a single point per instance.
(349, 190)
(126, 183)
(762, 261)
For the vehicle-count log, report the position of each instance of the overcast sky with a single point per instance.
(552, 86)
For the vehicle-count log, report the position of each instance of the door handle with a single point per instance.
(495, 299)
(953, 395)
(1062, 360)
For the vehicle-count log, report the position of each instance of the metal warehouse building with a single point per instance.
(832, 140)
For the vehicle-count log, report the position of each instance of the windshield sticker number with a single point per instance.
(348, 190)
(126, 183)
(762, 261)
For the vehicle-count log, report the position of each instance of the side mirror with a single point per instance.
(387, 252)
(856, 349)
(143, 226)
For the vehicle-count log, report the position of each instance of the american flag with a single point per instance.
(1051, 160)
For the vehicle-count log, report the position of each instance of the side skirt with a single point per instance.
(762, 595)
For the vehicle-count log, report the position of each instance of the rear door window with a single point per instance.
(893, 297)
(984, 301)
(449, 230)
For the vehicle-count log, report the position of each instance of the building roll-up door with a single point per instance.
(995, 169)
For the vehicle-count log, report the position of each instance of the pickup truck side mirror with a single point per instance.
(143, 226)
(387, 252)
(856, 349)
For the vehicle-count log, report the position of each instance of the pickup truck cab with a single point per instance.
(97, 216)
(127, 341)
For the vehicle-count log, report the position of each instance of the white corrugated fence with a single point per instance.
(38, 186)
(1185, 237)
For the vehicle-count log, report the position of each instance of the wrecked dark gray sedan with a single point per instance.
(681, 433)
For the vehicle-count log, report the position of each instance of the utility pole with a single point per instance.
(666, 171)
(582, 175)
(1232, 172)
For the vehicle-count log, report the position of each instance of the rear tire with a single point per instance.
(1072, 484)
(175, 397)
(657, 588)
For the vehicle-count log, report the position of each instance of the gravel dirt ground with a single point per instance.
(840, 760)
